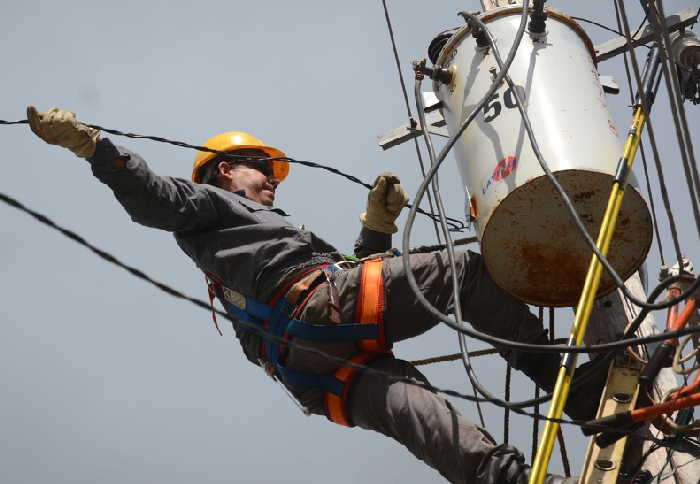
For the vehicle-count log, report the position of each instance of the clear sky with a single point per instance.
(105, 378)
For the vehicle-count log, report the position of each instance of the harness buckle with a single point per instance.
(234, 297)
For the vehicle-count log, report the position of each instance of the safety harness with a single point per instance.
(280, 317)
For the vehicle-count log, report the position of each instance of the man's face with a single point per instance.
(255, 178)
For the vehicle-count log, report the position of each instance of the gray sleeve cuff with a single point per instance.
(371, 242)
(105, 154)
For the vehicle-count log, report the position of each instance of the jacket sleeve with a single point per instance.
(166, 203)
(371, 242)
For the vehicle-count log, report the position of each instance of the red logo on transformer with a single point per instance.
(502, 169)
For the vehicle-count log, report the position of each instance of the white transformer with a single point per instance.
(529, 243)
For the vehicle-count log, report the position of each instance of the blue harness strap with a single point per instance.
(281, 324)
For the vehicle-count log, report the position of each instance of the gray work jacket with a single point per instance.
(249, 247)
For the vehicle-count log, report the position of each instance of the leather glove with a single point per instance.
(384, 204)
(59, 127)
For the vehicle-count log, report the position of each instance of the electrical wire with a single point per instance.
(610, 29)
(652, 139)
(620, 10)
(476, 385)
(258, 330)
(449, 245)
(263, 333)
(250, 326)
(408, 111)
(501, 342)
(597, 24)
(455, 224)
(643, 153)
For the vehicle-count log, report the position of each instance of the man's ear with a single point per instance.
(224, 175)
(223, 168)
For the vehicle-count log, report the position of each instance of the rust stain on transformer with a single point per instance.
(552, 274)
(583, 195)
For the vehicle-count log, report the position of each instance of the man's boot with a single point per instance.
(506, 465)
(542, 368)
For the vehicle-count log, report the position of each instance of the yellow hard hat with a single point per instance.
(238, 140)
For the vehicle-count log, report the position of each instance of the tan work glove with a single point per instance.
(59, 127)
(384, 203)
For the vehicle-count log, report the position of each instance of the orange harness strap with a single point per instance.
(370, 303)
(336, 406)
(369, 309)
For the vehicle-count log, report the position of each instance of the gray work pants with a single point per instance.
(425, 423)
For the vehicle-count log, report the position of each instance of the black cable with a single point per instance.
(264, 333)
(604, 27)
(536, 409)
(250, 326)
(204, 305)
(455, 224)
(482, 336)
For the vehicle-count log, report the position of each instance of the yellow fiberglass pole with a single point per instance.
(585, 304)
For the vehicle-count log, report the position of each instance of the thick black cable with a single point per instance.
(512, 344)
(206, 306)
(262, 332)
(506, 397)
(650, 195)
(455, 224)
(536, 407)
(250, 326)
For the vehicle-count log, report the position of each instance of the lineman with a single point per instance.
(293, 284)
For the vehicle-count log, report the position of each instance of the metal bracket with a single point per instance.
(433, 118)
(618, 45)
